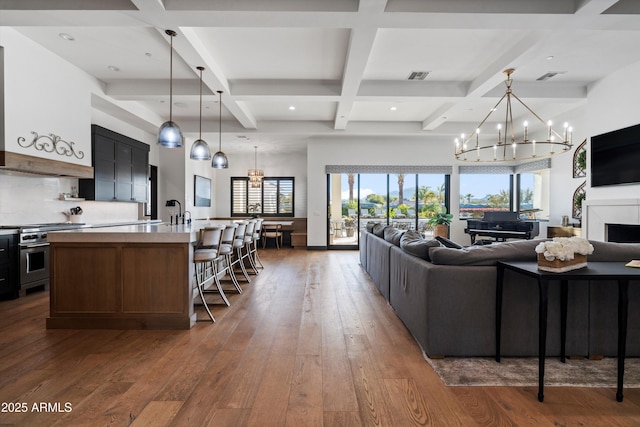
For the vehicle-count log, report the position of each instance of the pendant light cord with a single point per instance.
(220, 124)
(200, 131)
(171, 79)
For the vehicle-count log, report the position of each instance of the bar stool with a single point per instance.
(248, 241)
(257, 234)
(205, 257)
(226, 250)
(238, 245)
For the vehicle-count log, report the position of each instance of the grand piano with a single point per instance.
(502, 226)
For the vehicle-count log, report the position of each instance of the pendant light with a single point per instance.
(170, 135)
(255, 175)
(200, 148)
(220, 160)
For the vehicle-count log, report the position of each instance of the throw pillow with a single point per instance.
(370, 226)
(393, 235)
(378, 230)
(519, 250)
(448, 243)
(414, 244)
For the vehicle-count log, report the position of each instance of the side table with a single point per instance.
(594, 271)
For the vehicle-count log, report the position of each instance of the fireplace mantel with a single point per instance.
(597, 213)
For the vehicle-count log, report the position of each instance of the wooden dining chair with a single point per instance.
(272, 231)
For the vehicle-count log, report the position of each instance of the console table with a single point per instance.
(594, 271)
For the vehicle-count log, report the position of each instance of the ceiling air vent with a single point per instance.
(548, 75)
(418, 75)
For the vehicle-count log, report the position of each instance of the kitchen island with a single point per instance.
(124, 277)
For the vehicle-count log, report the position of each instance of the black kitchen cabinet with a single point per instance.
(9, 273)
(120, 168)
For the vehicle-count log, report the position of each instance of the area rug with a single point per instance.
(522, 372)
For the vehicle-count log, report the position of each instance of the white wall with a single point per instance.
(44, 94)
(612, 104)
(201, 168)
(274, 164)
(563, 184)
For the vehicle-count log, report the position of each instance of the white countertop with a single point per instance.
(134, 233)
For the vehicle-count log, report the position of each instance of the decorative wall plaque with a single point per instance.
(51, 143)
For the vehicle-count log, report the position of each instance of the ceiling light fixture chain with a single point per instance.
(508, 146)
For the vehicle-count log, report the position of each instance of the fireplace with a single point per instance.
(622, 233)
(597, 214)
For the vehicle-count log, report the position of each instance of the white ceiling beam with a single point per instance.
(593, 7)
(196, 53)
(438, 117)
(360, 45)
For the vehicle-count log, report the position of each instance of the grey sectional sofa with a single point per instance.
(446, 299)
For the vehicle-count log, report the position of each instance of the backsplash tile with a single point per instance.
(28, 199)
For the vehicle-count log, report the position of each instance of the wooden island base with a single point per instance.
(121, 285)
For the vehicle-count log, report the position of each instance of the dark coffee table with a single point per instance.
(594, 271)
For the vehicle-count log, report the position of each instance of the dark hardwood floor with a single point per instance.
(309, 342)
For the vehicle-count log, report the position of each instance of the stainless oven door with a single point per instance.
(34, 264)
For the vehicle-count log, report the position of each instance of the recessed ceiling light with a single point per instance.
(113, 68)
(292, 107)
(549, 58)
(66, 36)
(180, 104)
(393, 108)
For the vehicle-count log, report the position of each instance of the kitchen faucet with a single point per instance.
(173, 202)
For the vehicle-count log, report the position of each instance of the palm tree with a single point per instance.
(351, 180)
(401, 188)
(468, 196)
(425, 194)
(526, 195)
(440, 191)
(500, 200)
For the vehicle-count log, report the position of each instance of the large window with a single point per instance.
(533, 194)
(482, 192)
(273, 198)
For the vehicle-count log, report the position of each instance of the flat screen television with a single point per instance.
(615, 157)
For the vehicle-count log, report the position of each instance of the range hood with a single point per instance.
(40, 166)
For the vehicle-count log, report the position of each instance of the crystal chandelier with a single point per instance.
(534, 141)
(255, 175)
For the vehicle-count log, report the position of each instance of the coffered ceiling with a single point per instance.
(344, 65)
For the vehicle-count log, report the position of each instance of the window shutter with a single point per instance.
(239, 196)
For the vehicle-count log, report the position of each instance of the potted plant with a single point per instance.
(350, 226)
(582, 160)
(440, 223)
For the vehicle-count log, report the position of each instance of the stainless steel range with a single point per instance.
(34, 253)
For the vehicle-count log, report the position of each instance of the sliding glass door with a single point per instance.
(343, 217)
(403, 200)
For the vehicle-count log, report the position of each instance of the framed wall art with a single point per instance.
(202, 191)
